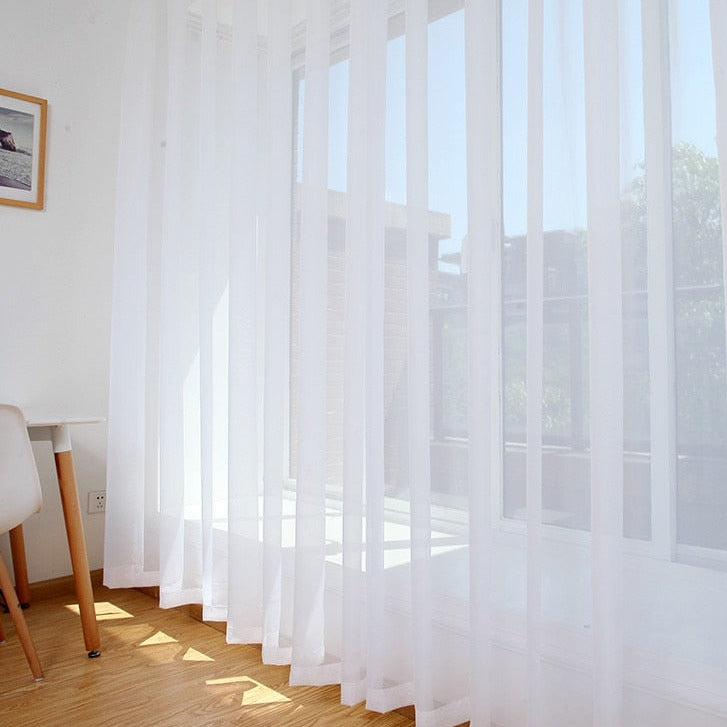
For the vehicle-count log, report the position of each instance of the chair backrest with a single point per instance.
(20, 494)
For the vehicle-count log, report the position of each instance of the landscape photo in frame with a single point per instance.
(23, 121)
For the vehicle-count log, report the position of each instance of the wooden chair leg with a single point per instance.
(2, 633)
(21, 627)
(20, 565)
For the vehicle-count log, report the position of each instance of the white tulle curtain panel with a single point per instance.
(418, 351)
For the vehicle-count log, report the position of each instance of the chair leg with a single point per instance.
(2, 633)
(19, 620)
(20, 565)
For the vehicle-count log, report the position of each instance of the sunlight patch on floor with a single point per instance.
(105, 611)
(194, 655)
(159, 638)
(254, 692)
(226, 680)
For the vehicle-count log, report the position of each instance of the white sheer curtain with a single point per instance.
(418, 350)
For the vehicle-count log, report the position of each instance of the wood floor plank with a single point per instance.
(158, 667)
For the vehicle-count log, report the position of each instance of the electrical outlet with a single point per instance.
(97, 501)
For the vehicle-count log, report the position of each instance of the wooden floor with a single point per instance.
(156, 668)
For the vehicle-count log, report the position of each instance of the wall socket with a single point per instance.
(97, 501)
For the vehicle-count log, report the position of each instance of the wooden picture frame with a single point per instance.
(23, 124)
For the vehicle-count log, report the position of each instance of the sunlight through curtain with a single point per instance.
(418, 369)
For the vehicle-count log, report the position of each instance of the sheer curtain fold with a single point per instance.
(177, 342)
(207, 245)
(276, 225)
(373, 56)
(601, 61)
(484, 225)
(659, 232)
(418, 384)
(128, 549)
(418, 371)
(534, 347)
(309, 647)
(244, 603)
(718, 18)
(353, 654)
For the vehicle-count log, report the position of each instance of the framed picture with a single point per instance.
(23, 121)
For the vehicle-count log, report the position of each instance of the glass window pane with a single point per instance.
(699, 296)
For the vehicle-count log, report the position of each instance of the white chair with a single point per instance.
(20, 497)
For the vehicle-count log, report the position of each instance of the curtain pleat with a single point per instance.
(135, 313)
(309, 648)
(718, 18)
(659, 231)
(353, 646)
(605, 355)
(534, 347)
(482, 46)
(244, 504)
(177, 343)
(206, 239)
(418, 385)
(276, 227)
(373, 18)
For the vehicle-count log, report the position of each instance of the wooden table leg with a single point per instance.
(77, 546)
(20, 566)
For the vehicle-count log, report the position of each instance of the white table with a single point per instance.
(57, 431)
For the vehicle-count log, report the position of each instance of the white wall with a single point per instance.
(55, 264)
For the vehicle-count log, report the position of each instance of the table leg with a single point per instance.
(77, 547)
(20, 566)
